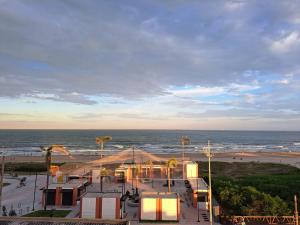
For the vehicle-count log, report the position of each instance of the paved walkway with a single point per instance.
(21, 198)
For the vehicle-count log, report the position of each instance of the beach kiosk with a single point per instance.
(159, 206)
(191, 170)
(101, 206)
(199, 193)
(64, 194)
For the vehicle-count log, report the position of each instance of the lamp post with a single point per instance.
(2, 175)
(208, 153)
(33, 203)
(197, 201)
(184, 141)
(296, 211)
(132, 169)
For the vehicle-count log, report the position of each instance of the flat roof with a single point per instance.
(198, 184)
(102, 194)
(159, 195)
(75, 183)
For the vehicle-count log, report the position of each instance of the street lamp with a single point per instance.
(2, 175)
(132, 169)
(184, 141)
(49, 150)
(208, 153)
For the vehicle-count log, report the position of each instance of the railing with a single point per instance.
(261, 219)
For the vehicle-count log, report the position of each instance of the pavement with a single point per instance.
(21, 198)
(189, 214)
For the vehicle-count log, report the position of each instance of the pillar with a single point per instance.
(195, 199)
(158, 209)
(98, 213)
(74, 199)
(58, 196)
(118, 208)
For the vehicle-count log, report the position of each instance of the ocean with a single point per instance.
(27, 142)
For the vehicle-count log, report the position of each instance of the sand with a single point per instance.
(290, 158)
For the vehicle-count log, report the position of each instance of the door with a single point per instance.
(67, 197)
(51, 194)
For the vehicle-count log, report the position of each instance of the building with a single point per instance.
(191, 170)
(101, 206)
(199, 189)
(159, 206)
(64, 194)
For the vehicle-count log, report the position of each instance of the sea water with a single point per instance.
(28, 142)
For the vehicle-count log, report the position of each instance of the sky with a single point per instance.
(173, 64)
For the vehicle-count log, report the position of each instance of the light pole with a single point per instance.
(208, 153)
(197, 201)
(132, 169)
(296, 211)
(33, 203)
(2, 175)
(184, 141)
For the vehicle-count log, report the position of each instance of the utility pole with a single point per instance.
(198, 202)
(48, 164)
(2, 175)
(132, 169)
(296, 211)
(209, 155)
(33, 203)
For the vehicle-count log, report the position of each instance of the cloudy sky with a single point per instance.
(150, 64)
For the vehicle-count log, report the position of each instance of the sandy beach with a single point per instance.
(291, 158)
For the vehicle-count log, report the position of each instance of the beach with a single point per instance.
(290, 158)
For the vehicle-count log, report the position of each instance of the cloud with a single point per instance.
(286, 43)
(154, 56)
(99, 48)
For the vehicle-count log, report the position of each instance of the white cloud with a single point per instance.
(198, 91)
(286, 43)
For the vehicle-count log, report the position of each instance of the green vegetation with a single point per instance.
(247, 200)
(49, 213)
(254, 188)
(27, 167)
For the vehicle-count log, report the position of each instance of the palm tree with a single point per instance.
(101, 140)
(49, 151)
(172, 163)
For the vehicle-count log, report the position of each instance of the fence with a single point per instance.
(57, 221)
(259, 219)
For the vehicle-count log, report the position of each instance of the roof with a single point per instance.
(159, 195)
(103, 194)
(75, 183)
(200, 186)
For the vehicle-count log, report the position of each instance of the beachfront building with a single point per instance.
(159, 206)
(191, 170)
(199, 193)
(101, 206)
(64, 194)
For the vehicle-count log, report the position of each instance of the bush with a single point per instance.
(247, 200)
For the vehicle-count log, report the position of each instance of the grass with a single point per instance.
(274, 179)
(49, 213)
(27, 167)
(245, 169)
